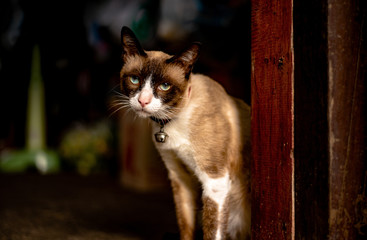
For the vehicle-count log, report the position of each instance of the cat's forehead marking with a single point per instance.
(147, 86)
(171, 71)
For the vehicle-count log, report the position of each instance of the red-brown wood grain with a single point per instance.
(272, 120)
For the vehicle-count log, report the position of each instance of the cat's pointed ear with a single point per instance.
(130, 43)
(187, 58)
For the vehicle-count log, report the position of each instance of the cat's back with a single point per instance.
(212, 99)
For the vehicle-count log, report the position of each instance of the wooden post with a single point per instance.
(347, 53)
(272, 120)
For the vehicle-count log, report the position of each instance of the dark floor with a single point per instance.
(78, 208)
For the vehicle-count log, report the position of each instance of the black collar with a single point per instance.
(161, 122)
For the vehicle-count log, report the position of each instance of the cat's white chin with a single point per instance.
(143, 114)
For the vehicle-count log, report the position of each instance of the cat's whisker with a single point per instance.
(118, 106)
(114, 87)
(120, 99)
(118, 109)
(120, 95)
(119, 102)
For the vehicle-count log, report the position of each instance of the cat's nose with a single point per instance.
(144, 100)
(143, 103)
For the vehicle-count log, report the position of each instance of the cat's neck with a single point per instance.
(160, 121)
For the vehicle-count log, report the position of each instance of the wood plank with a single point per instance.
(272, 120)
(347, 118)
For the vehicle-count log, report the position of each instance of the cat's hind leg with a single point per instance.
(215, 203)
(227, 209)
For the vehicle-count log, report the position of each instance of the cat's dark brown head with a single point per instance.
(155, 84)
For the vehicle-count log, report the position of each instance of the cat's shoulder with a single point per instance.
(204, 83)
(202, 79)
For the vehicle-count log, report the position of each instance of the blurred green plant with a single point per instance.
(87, 148)
(35, 155)
(45, 161)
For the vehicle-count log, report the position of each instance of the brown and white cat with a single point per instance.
(203, 137)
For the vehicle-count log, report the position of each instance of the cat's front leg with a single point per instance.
(215, 203)
(184, 188)
(185, 208)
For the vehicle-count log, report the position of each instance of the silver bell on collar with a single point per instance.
(161, 136)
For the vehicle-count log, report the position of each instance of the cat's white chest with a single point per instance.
(178, 141)
(177, 136)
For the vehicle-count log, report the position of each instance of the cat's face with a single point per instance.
(155, 84)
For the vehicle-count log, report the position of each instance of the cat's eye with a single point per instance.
(164, 86)
(134, 80)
